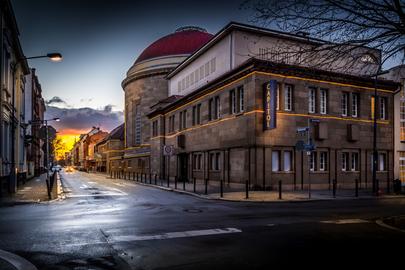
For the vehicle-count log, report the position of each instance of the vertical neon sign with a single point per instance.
(269, 106)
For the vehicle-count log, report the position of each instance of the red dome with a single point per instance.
(185, 40)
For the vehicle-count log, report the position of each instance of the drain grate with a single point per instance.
(193, 210)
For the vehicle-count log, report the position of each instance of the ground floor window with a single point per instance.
(215, 161)
(197, 161)
(312, 161)
(345, 161)
(275, 161)
(355, 161)
(323, 161)
(382, 162)
(287, 161)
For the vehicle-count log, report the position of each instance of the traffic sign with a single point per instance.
(168, 150)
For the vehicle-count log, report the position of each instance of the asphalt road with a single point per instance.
(117, 224)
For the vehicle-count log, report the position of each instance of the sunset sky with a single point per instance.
(99, 41)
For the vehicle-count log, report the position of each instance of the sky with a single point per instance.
(99, 41)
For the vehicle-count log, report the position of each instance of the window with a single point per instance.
(323, 101)
(355, 105)
(207, 69)
(196, 115)
(210, 109)
(312, 161)
(155, 128)
(232, 99)
(311, 100)
(343, 104)
(171, 123)
(383, 107)
(323, 161)
(217, 111)
(288, 92)
(382, 161)
(287, 161)
(197, 158)
(213, 65)
(214, 161)
(355, 162)
(345, 157)
(275, 161)
(241, 98)
(183, 120)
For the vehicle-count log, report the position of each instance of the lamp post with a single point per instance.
(45, 121)
(55, 57)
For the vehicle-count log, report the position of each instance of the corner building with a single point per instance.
(225, 123)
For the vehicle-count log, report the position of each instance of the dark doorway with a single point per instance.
(183, 167)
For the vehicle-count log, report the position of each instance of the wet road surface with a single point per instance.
(117, 224)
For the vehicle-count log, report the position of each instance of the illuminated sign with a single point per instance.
(269, 106)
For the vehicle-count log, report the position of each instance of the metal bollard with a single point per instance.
(110, 174)
(357, 188)
(150, 179)
(194, 182)
(184, 184)
(222, 188)
(137, 177)
(175, 182)
(206, 187)
(247, 189)
(334, 188)
(168, 181)
(133, 176)
(279, 190)
(155, 179)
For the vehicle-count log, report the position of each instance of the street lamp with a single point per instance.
(45, 121)
(55, 57)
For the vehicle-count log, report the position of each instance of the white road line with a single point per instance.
(94, 195)
(17, 261)
(171, 235)
(345, 221)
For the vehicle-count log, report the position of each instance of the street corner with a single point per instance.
(396, 223)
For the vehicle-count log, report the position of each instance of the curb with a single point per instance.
(18, 262)
(381, 223)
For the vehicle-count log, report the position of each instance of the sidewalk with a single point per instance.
(4, 265)
(34, 190)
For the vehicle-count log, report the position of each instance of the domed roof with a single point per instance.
(185, 40)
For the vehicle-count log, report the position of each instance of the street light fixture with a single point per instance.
(55, 57)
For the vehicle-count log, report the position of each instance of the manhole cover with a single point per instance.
(193, 210)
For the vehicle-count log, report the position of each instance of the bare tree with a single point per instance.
(345, 25)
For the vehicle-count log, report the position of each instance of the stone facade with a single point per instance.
(245, 150)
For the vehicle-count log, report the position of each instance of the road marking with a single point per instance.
(271, 225)
(171, 235)
(17, 261)
(345, 221)
(95, 195)
(385, 225)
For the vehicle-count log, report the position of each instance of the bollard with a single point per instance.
(110, 174)
(168, 181)
(155, 179)
(194, 182)
(133, 176)
(184, 184)
(150, 179)
(222, 188)
(247, 189)
(279, 190)
(334, 188)
(206, 187)
(357, 188)
(175, 182)
(377, 182)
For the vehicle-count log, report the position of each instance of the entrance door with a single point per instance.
(183, 167)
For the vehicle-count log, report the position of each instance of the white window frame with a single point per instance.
(383, 108)
(288, 92)
(355, 162)
(355, 105)
(312, 100)
(241, 98)
(344, 104)
(344, 159)
(323, 101)
(382, 160)
(312, 161)
(323, 161)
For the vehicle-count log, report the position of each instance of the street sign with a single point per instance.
(300, 145)
(168, 150)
